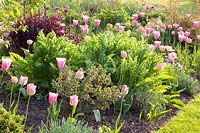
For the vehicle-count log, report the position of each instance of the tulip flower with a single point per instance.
(148, 30)
(47, 7)
(169, 48)
(173, 33)
(29, 42)
(187, 34)
(198, 37)
(160, 65)
(1, 41)
(80, 74)
(175, 25)
(52, 97)
(60, 62)
(181, 38)
(74, 100)
(162, 48)
(117, 25)
(14, 79)
(188, 40)
(180, 28)
(56, 8)
(23, 80)
(169, 26)
(121, 28)
(172, 56)
(75, 22)
(31, 89)
(6, 63)
(140, 29)
(123, 54)
(97, 22)
(135, 16)
(156, 34)
(157, 44)
(142, 14)
(66, 9)
(85, 19)
(124, 89)
(196, 24)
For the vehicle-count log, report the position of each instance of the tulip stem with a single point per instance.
(73, 110)
(17, 104)
(1, 77)
(29, 98)
(11, 94)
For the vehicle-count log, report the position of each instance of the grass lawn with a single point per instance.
(186, 121)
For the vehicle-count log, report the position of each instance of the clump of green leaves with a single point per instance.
(68, 125)
(95, 91)
(10, 122)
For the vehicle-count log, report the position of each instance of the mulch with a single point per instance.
(38, 113)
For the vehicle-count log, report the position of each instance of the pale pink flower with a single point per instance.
(157, 44)
(117, 25)
(85, 19)
(85, 13)
(74, 100)
(198, 37)
(124, 89)
(127, 25)
(173, 33)
(181, 33)
(140, 29)
(23, 80)
(123, 54)
(162, 48)
(188, 40)
(121, 28)
(188, 15)
(162, 30)
(109, 25)
(172, 56)
(6, 63)
(62, 25)
(181, 38)
(148, 30)
(135, 16)
(156, 34)
(160, 65)
(60, 62)
(52, 97)
(169, 26)
(142, 14)
(196, 24)
(6, 34)
(75, 22)
(97, 22)
(135, 21)
(31, 89)
(80, 74)
(169, 48)
(29, 42)
(1, 41)
(175, 25)
(187, 34)
(14, 79)
(180, 28)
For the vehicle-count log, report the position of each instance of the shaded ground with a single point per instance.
(38, 113)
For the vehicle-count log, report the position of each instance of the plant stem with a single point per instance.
(11, 93)
(73, 110)
(1, 77)
(29, 98)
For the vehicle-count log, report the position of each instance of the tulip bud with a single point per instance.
(52, 97)
(73, 100)
(31, 89)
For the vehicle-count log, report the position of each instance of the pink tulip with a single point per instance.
(169, 48)
(52, 97)
(175, 25)
(135, 16)
(62, 26)
(156, 34)
(140, 29)
(121, 28)
(198, 37)
(127, 25)
(6, 34)
(80, 74)
(61, 62)
(66, 9)
(1, 41)
(29, 42)
(23, 80)
(75, 22)
(169, 26)
(181, 33)
(97, 22)
(6, 63)
(188, 15)
(160, 65)
(135, 21)
(109, 25)
(172, 56)
(157, 44)
(84, 28)
(123, 54)
(173, 33)
(85, 13)
(196, 24)
(187, 34)
(124, 89)
(162, 48)
(31, 89)
(14, 79)
(85, 19)
(117, 25)
(148, 30)
(142, 14)
(180, 28)
(74, 100)
(181, 38)
(188, 40)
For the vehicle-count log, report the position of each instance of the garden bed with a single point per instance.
(38, 113)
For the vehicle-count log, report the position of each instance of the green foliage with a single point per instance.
(187, 119)
(69, 125)
(10, 122)
(195, 59)
(186, 82)
(95, 91)
(41, 66)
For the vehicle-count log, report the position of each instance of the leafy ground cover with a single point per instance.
(186, 120)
